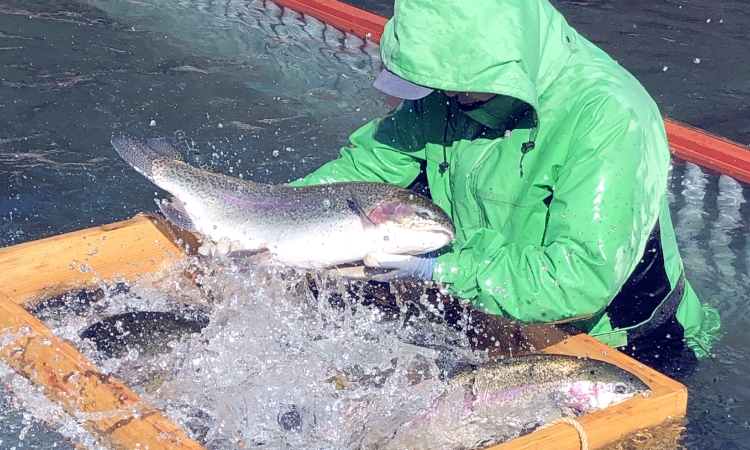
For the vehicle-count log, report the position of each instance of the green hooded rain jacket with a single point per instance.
(555, 186)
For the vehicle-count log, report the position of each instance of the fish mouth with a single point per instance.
(450, 234)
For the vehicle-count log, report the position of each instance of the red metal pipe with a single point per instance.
(686, 142)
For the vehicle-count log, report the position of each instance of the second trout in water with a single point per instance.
(504, 399)
(311, 226)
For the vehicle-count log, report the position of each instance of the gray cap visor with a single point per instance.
(392, 84)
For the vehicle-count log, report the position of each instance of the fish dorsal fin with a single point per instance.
(353, 203)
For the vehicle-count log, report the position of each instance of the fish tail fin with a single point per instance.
(142, 155)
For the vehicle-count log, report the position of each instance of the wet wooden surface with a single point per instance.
(103, 404)
(121, 250)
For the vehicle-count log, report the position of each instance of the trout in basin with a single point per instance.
(501, 400)
(312, 226)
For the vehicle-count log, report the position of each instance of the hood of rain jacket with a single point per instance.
(554, 185)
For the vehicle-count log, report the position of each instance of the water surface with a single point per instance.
(271, 96)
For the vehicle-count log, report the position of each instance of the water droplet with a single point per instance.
(697, 60)
(152, 123)
(614, 229)
(275, 153)
(386, 238)
(326, 203)
(84, 268)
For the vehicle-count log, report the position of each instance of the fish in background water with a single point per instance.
(501, 400)
(311, 226)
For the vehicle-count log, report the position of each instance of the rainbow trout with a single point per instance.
(503, 399)
(312, 226)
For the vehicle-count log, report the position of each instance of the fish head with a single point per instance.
(604, 385)
(411, 224)
(586, 395)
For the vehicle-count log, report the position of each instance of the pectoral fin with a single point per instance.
(175, 213)
(249, 254)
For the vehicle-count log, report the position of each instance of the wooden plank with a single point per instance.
(118, 250)
(668, 400)
(107, 406)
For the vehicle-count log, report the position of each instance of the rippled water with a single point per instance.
(272, 96)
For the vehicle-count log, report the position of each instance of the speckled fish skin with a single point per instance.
(501, 400)
(569, 384)
(313, 226)
(585, 384)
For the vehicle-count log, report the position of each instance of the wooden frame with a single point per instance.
(142, 245)
(54, 265)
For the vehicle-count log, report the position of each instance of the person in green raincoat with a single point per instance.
(551, 160)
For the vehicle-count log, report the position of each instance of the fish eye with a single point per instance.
(621, 388)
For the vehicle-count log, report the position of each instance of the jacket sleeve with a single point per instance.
(606, 199)
(387, 150)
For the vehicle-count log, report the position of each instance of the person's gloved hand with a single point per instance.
(389, 267)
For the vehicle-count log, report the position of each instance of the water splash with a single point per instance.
(277, 365)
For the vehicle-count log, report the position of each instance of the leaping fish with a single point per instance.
(310, 227)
